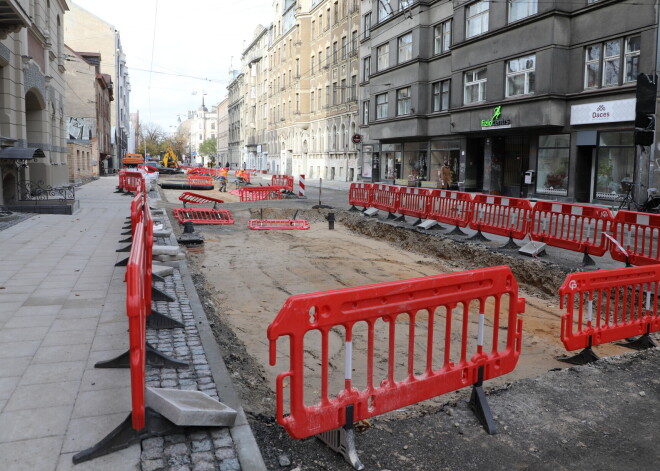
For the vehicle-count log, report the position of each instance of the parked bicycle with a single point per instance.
(627, 200)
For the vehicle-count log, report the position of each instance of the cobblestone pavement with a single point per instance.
(6, 221)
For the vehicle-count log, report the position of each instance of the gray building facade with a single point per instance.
(498, 89)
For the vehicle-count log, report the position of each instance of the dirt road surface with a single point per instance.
(245, 276)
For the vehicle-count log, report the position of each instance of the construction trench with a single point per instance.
(244, 277)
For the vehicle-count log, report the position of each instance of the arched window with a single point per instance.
(343, 137)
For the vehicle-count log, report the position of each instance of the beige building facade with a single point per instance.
(222, 117)
(32, 128)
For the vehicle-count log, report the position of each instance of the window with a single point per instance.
(403, 101)
(442, 37)
(327, 96)
(603, 62)
(366, 64)
(403, 4)
(366, 22)
(616, 163)
(313, 26)
(365, 112)
(440, 94)
(477, 19)
(336, 12)
(334, 52)
(353, 95)
(381, 106)
(343, 47)
(553, 164)
(520, 76)
(320, 98)
(327, 57)
(334, 93)
(354, 43)
(405, 47)
(327, 23)
(311, 71)
(384, 10)
(383, 57)
(342, 91)
(320, 60)
(475, 86)
(632, 59)
(519, 9)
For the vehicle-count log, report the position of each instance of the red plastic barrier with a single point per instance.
(386, 197)
(510, 217)
(137, 209)
(133, 180)
(259, 193)
(414, 202)
(451, 207)
(284, 181)
(122, 180)
(199, 180)
(639, 235)
(278, 224)
(360, 194)
(335, 313)
(571, 226)
(609, 305)
(203, 216)
(196, 198)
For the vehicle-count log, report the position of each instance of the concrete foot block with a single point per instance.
(190, 408)
(171, 250)
(161, 270)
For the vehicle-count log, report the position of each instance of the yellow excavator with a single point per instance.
(170, 159)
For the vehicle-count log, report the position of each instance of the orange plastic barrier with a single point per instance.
(386, 198)
(397, 306)
(571, 226)
(609, 305)
(278, 224)
(451, 207)
(203, 216)
(414, 202)
(199, 180)
(284, 181)
(360, 194)
(501, 215)
(639, 235)
(258, 193)
(196, 198)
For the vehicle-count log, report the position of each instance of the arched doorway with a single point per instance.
(8, 188)
(36, 124)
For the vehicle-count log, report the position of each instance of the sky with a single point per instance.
(176, 51)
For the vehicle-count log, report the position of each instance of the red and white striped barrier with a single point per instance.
(301, 183)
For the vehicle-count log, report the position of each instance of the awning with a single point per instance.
(21, 153)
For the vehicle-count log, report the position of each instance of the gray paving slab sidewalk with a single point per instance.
(61, 311)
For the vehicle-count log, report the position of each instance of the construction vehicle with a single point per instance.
(170, 159)
(132, 160)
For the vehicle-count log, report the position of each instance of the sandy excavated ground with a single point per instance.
(249, 275)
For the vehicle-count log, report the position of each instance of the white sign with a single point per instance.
(604, 112)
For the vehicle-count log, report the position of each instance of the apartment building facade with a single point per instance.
(236, 142)
(498, 89)
(222, 118)
(32, 129)
(85, 32)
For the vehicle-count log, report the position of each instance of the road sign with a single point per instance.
(356, 138)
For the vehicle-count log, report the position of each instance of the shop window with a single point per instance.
(442, 37)
(519, 9)
(415, 161)
(616, 163)
(521, 76)
(603, 62)
(405, 47)
(441, 152)
(403, 101)
(552, 164)
(475, 86)
(392, 161)
(476, 19)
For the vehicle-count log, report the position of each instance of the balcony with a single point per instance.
(12, 17)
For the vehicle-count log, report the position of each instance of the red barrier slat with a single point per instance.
(284, 181)
(199, 180)
(451, 207)
(571, 226)
(501, 215)
(203, 215)
(360, 194)
(259, 193)
(196, 198)
(386, 197)
(414, 202)
(328, 312)
(609, 305)
(278, 224)
(639, 235)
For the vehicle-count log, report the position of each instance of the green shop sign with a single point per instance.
(496, 121)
